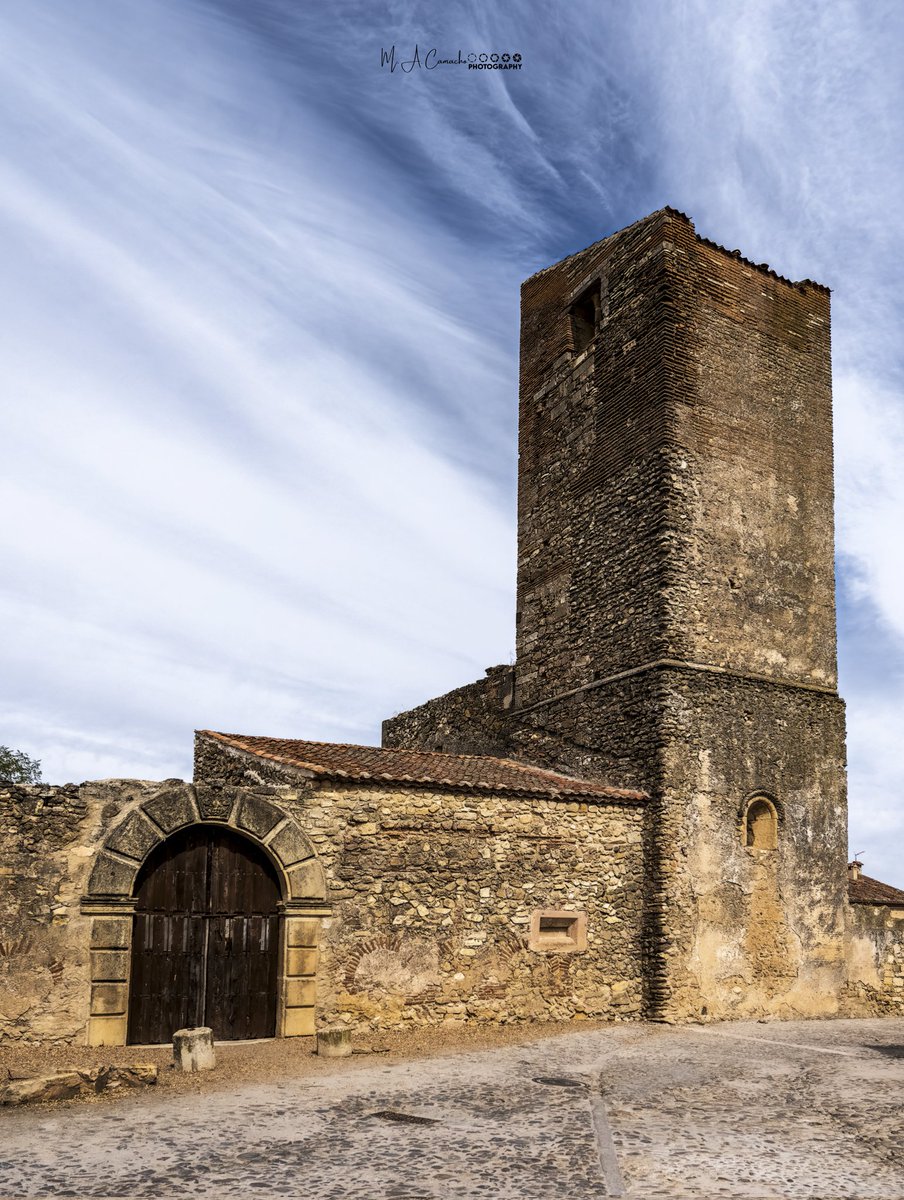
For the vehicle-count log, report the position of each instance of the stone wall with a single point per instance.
(422, 914)
(469, 720)
(433, 892)
(875, 954)
(676, 625)
(434, 895)
(49, 837)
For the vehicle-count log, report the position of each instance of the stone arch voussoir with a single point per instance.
(176, 805)
(110, 900)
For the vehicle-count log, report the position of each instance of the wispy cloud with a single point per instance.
(225, 452)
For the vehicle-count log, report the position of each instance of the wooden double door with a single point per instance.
(205, 943)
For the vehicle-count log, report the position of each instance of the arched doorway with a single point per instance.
(205, 943)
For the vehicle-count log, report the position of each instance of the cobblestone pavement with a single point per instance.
(793, 1109)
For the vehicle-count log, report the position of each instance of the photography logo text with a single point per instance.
(429, 60)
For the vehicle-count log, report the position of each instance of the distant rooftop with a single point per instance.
(870, 891)
(374, 764)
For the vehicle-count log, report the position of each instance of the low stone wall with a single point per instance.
(48, 840)
(428, 907)
(875, 958)
(435, 893)
(473, 719)
(437, 901)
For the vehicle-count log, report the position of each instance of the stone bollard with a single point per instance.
(193, 1049)
(334, 1041)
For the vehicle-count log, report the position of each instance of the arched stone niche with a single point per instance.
(110, 902)
(760, 823)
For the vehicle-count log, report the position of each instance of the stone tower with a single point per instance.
(676, 620)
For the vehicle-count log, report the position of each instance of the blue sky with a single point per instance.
(259, 333)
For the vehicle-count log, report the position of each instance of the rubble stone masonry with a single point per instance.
(676, 624)
(49, 837)
(423, 915)
(433, 892)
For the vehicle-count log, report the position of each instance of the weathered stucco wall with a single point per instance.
(762, 929)
(753, 586)
(875, 954)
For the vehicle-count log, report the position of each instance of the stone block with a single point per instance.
(135, 837)
(558, 931)
(63, 1085)
(107, 1031)
(173, 808)
(108, 999)
(334, 1041)
(109, 966)
(66, 1085)
(290, 845)
(301, 960)
(306, 881)
(111, 933)
(130, 1076)
(258, 816)
(302, 931)
(301, 991)
(110, 877)
(299, 1022)
(214, 803)
(193, 1049)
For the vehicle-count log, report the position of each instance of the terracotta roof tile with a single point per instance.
(374, 764)
(870, 891)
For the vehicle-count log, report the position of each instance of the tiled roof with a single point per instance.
(870, 891)
(332, 760)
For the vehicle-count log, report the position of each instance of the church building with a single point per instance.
(644, 818)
